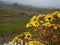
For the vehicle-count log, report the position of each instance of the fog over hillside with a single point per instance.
(37, 3)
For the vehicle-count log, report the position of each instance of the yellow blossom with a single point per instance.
(18, 40)
(32, 43)
(28, 35)
(35, 42)
(28, 25)
(47, 24)
(40, 16)
(35, 23)
(58, 15)
(14, 40)
(33, 18)
(48, 17)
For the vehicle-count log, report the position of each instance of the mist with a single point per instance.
(37, 3)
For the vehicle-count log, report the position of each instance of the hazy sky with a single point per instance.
(39, 3)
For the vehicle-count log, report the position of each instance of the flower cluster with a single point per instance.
(36, 20)
(46, 24)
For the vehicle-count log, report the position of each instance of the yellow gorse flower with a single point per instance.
(47, 24)
(35, 23)
(58, 15)
(28, 25)
(55, 26)
(35, 42)
(14, 40)
(48, 17)
(19, 40)
(32, 43)
(39, 17)
(33, 18)
(28, 35)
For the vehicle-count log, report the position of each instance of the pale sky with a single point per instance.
(39, 3)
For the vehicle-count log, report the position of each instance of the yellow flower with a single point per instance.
(58, 15)
(55, 26)
(28, 35)
(18, 40)
(54, 38)
(48, 17)
(35, 42)
(28, 25)
(42, 44)
(35, 23)
(40, 16)
(32, 43)
(14, 39)
(47, 24)
(33, 18)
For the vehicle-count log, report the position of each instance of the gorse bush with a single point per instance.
(46, 26)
